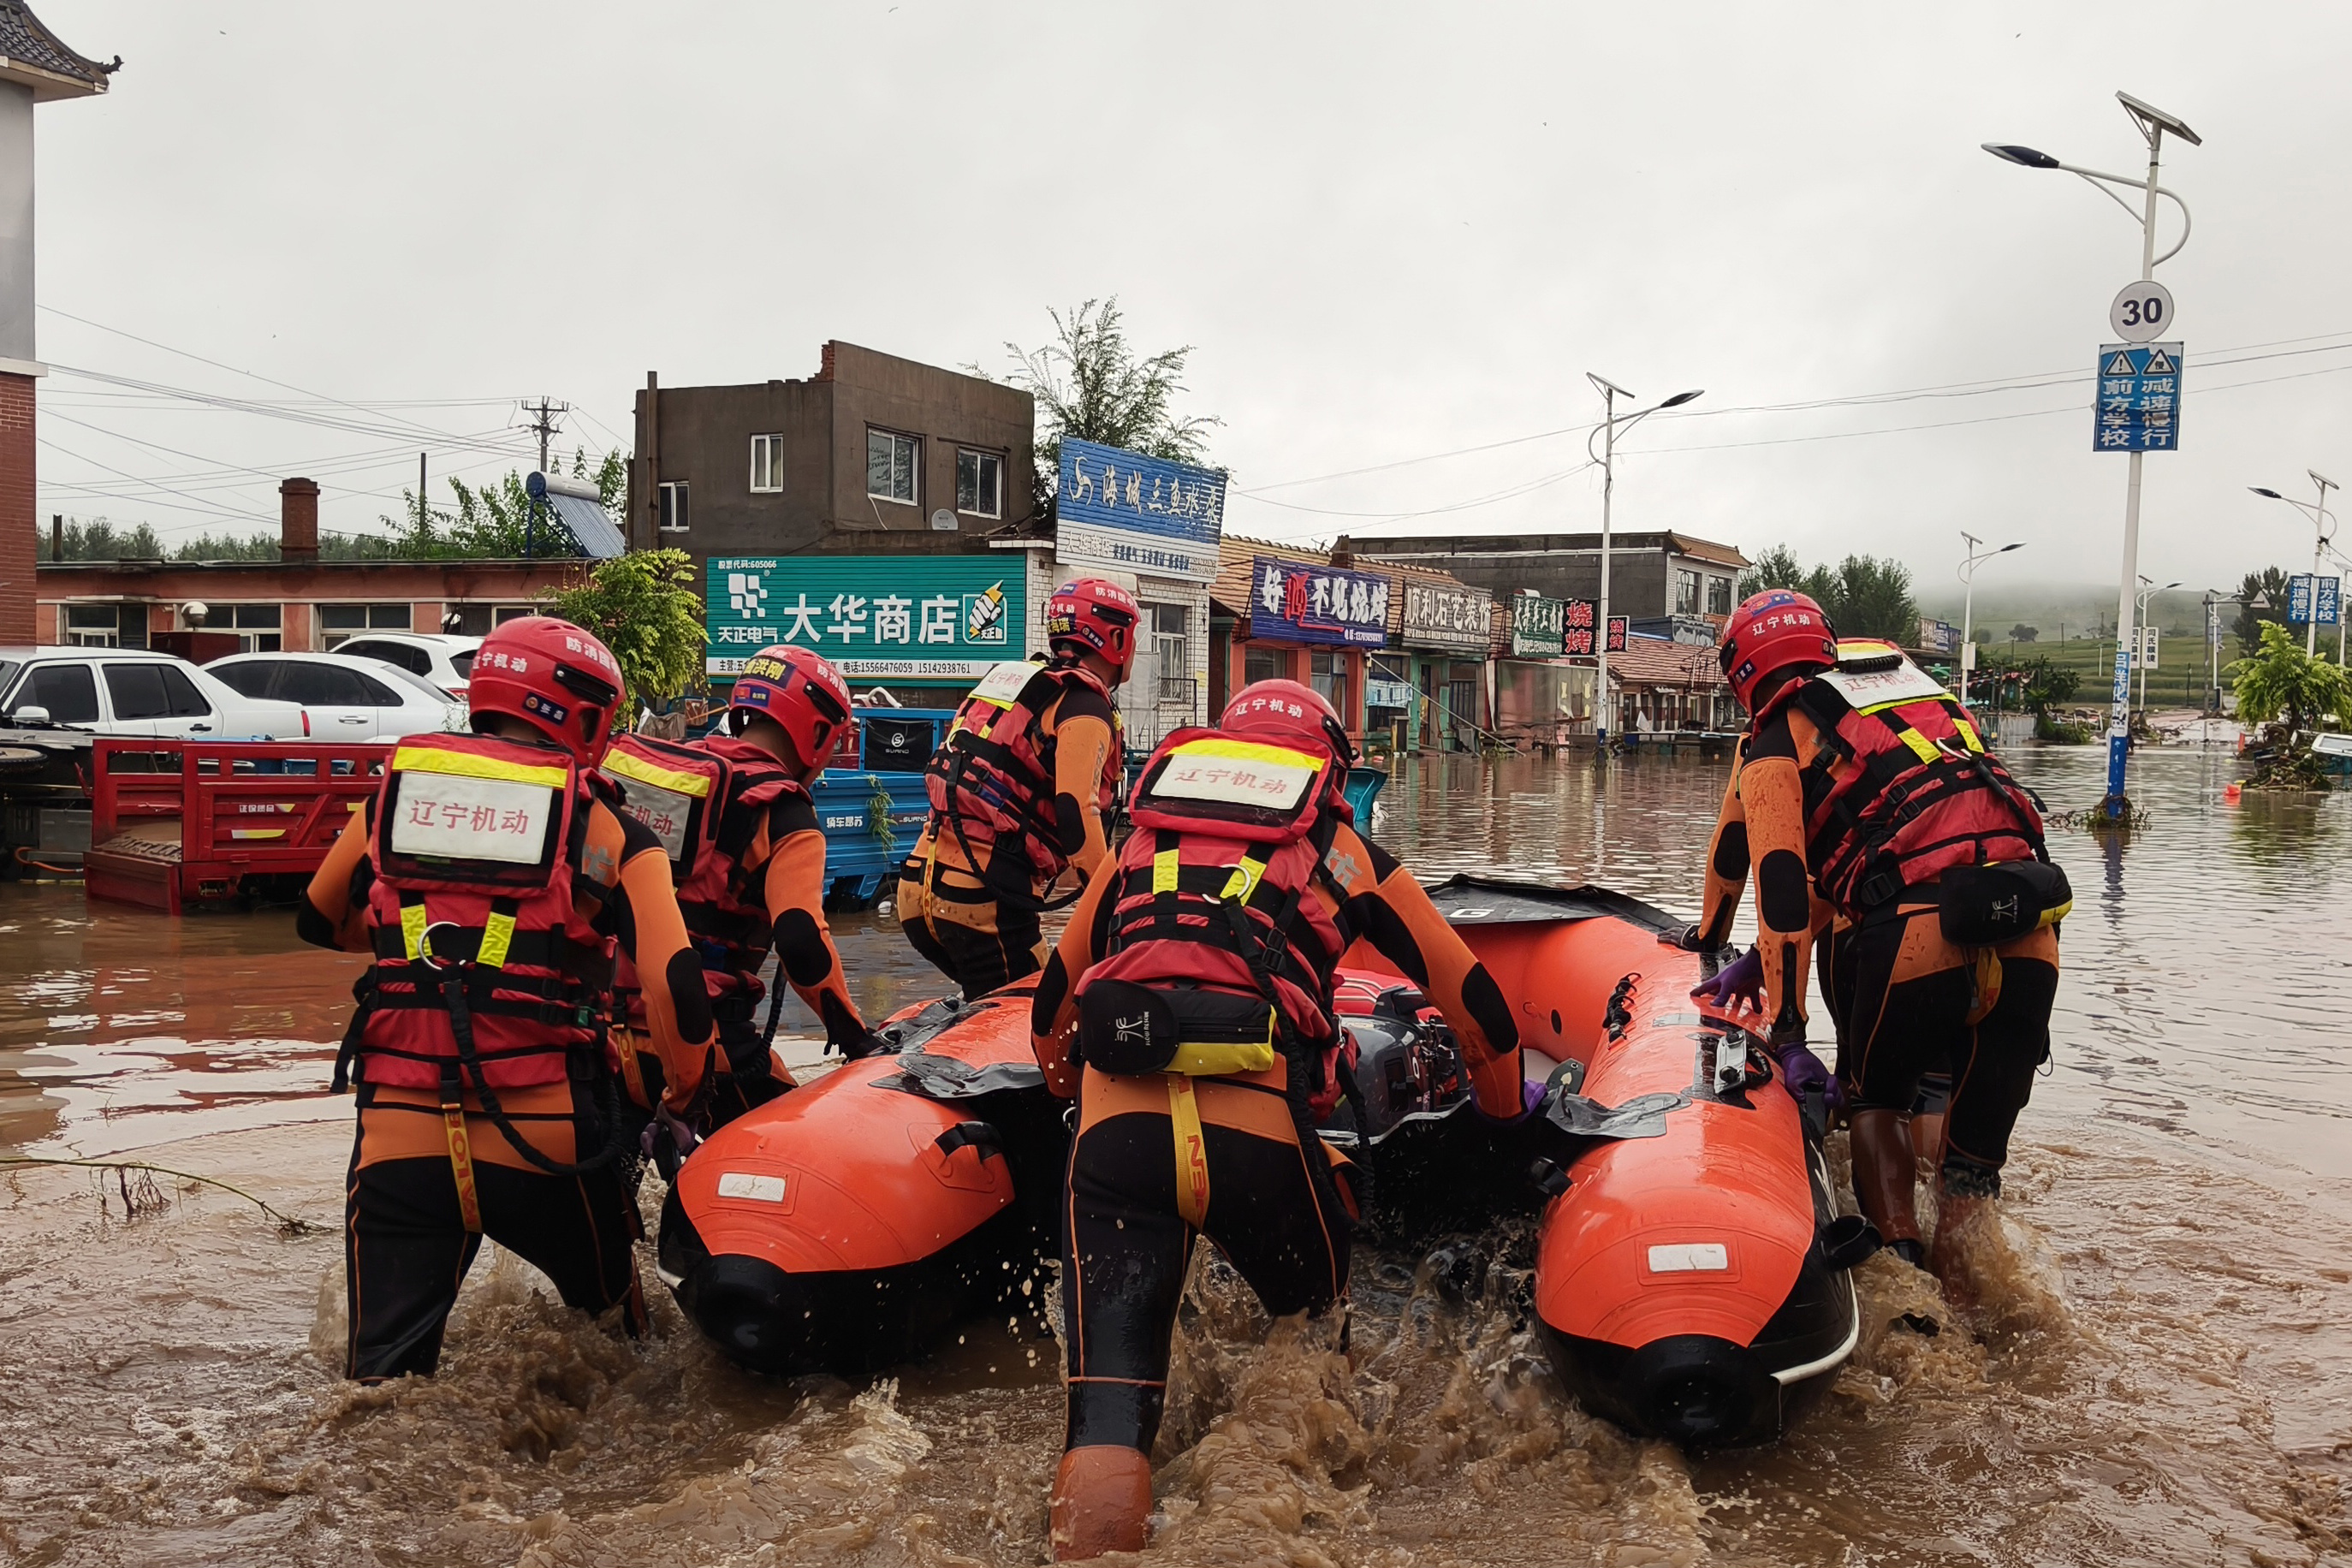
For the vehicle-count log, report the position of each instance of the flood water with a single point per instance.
(2161, 1372)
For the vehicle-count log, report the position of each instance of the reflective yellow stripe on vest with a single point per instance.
(1244, 881)
(497, 936)
(1249, 752)
(1969, 735)
(465, 765)
(672, 779)
(1921, 747)
(412, 922)
(1164, 867)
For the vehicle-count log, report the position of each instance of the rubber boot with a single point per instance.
(1886, 1178)
(1102, 1503)
(1955, 1215)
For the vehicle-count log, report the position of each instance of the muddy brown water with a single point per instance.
(2161, 1372)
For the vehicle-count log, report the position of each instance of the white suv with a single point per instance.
(445, 659)
(132, 691)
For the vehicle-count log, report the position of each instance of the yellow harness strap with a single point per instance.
(632, 1076)
(461, 1157)
(1192, 1151)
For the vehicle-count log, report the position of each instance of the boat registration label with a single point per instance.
(1690, 1258)
(746, 1185)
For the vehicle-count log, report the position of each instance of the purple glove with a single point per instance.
(682, 1136)
(1741, 981)
(1532, 1098)
(1801, 1072)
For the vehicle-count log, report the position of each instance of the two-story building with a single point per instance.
(1653, 577)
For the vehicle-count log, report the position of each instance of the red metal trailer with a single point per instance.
(173, 822)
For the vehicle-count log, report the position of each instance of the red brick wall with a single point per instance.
(17, 544)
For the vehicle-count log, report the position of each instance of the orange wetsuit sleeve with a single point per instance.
(1771, 796)
(1053, 1013)
(1082, 743)
(1727, 861)
(622, 855)
(794, 882)
(1392, 913)
(331, 916)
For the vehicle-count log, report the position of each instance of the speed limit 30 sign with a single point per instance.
(2142, 313)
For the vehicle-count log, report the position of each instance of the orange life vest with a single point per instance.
(704, 800)
(993, 778)
(1211, 912)
(1903, 789)
(485, 976)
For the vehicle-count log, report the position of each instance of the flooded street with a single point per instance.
(2161, 1374)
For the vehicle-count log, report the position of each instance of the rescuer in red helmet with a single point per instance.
(1019, 790)
(1188, 1011)
(733, 813)
(493, 880)
(1867, 804)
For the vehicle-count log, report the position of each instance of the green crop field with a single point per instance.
(2178, 681)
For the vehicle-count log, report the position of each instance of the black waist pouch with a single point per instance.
(1131, 1028)
(1985, 906)
(1125, 1028)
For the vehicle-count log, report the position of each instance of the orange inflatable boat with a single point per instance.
(1689, 1280)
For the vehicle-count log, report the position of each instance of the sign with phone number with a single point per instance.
(913, 618)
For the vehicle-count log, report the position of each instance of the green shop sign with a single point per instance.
(904, 618)
(1537, 625)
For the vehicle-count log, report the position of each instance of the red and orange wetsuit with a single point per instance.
(407, 1238)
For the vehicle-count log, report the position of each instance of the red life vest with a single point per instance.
(1903, 789)
(704, 800)
(485, 976)
(1211, 908)
(993, 776)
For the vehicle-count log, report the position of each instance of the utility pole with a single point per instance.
(421, 523)
(544, 414)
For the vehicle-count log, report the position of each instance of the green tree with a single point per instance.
(1866, 597)
(646, 607)
(1090, 385)
(2282, 683)
(2047, 685)
(97, 539)
(2270, 585)
(496, 520)
(1775, 568)
(2023, 633)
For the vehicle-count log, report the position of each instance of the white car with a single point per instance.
(447, 661)
(347, 698)
(133, 691)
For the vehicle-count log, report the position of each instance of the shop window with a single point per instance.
(338, 624)
(1719, 595)
(1687, 600)
(1327, 673)
(106, 626)
(673, 499)
(1262, 664)
(890, 463)
(767, 464)
(256, 625)
(478, 620)
(980, 484)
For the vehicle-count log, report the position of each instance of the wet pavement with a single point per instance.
(2159, 1373)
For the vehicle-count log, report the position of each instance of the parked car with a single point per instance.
(347, 697)
(445, 660)
(133, 691)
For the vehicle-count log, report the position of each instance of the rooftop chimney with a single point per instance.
(298, 536)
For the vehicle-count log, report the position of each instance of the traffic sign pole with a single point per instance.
(2119, 692)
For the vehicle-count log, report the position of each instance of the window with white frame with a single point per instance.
(890, 464)
(672, 495)
(980, 483)
(256, 625)
(338, 624)
(114, 624)
(1719, 595)
(1685, 593)
(476, 620)
(767, 464)
(1167, 632)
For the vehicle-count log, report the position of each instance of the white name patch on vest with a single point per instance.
(453, 817)
(1004, 683)
(664, 811)
(1276, 786)
(1904, 683)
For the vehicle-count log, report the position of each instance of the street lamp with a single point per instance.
(2147, 590)
(1969, 604)
(2323, 524)
(2153, 122)
(2214, 598)
(1609, 393)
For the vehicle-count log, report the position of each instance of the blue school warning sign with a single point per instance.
(2138, 406)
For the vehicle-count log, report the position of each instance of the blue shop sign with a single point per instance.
(1118, 510)
(1301, 602)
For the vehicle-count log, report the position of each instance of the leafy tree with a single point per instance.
(495, 520)
(2282, 682)
(1866, 597)
(1089, 384)
(99, 540)
(2023, 633)
(1983, 636)
(1775, 568)
(2047, 685)
(645, 606)
(2270, 583)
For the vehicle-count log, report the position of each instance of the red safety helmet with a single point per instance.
(1775, 629)
(800, 690)
(1289, 714)
(554, 677)
(1092, 615)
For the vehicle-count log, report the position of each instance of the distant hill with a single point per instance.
(2076, 607)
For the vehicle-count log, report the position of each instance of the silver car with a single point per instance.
(347, 697)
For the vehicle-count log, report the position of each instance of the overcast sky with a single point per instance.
(1389, 232)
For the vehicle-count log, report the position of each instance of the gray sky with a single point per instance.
(1390, 231)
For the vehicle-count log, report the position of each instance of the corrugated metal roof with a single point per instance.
(1655, 662)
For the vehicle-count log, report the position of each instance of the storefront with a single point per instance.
(1296, 618)
(918, 629)
(1531, 683)
(1444, 629)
